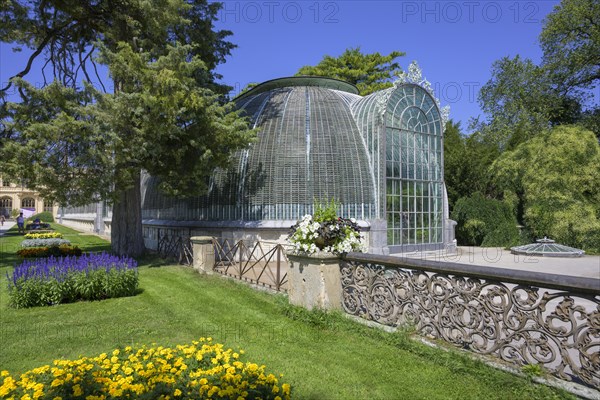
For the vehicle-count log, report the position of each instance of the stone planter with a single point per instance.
(314, 281)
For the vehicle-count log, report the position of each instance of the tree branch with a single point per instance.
(36, 53)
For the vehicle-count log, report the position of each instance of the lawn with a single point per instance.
(323, 356)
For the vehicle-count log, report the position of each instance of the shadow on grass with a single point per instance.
(98, 248)
(153, 260)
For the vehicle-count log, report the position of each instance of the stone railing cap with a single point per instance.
(201, 239)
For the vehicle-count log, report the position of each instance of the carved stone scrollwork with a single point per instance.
(516, 322)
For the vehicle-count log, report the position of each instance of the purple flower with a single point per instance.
(58, 268)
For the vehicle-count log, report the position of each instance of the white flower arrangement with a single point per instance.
(326, 233)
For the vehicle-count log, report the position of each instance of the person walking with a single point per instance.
(21, 223)
(2, 219)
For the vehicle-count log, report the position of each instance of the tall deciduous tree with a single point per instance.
(77, 144)
(523, 99)
(521, 102)
(369, 72)
(571, 44)
(558, 179)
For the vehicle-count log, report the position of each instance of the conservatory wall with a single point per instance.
(379, 156)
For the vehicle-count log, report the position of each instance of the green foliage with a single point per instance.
(77, 144)
(484, 222)
(67, 279)
(162, 122)
(520, 102)
(325, 212)
(570, 41)
(44, 216)
(369, 72)
(533, 370)
(558, 179)
(466, 163)
(523, 99)
(95, 285)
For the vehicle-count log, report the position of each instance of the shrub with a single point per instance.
(43, 216)
(44, 235)
(56, 251)
(199, 370)
(42, 225)
(67, 279)
(49, 242)
(485, 222)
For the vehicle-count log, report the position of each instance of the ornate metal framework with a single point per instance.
(517, 322)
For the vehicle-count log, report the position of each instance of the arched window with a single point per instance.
(48, 206)
(5, 206)
(414, 195)
(28, 202)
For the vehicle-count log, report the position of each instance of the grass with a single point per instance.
(322, 355)
(10, 242)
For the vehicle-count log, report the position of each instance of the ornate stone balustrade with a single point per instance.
(518, 316)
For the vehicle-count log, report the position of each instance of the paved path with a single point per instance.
(585, 267)
(7, 225)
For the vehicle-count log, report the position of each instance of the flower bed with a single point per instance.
(47, 235)
(55, 251)
(199, 370)
(45, 242)
(325, 232)
(67, 279)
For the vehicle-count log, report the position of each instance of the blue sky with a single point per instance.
(454, 42)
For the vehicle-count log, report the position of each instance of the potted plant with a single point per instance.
(325, 232)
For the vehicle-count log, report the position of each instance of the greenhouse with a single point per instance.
(379, 156)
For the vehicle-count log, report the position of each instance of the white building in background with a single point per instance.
(14, 198)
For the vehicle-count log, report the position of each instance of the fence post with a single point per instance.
(241, 249)
(203, 253)
(278, 283)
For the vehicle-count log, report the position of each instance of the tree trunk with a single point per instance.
(126, 228)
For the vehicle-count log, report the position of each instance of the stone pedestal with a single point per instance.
(315, 281)
(204, 254)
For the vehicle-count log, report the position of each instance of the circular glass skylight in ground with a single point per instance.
(547, 248)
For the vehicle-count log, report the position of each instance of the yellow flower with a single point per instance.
(77, 390)
(177, 392)
(116, 352)
(57, 382)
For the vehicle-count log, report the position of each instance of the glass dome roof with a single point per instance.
(547, 248)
